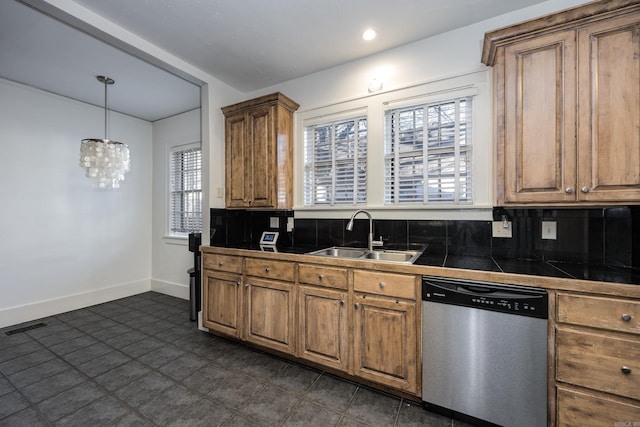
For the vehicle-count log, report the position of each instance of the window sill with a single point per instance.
(422, 212)
(176, 240)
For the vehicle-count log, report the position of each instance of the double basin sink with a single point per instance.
(398, 256)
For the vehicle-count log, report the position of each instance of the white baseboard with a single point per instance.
(177, 290)
(37, 310)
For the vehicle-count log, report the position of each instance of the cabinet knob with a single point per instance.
(626, 370)
(238, 283)
(267, 269)
(626, 317)
(568, 190)
(355, 306)
(381, 285)
(320, 276)
(246, 285)
(341, 302)
(219, 263)
(585, 189)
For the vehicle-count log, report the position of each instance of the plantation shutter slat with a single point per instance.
(428, 153)
(336, 162)
(185, 201)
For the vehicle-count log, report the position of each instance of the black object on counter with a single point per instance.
(195, 240)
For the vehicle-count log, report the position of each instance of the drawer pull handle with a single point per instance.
(626, 317)
(626, 370)
(320, 276)
(381, 284)
(267, 269)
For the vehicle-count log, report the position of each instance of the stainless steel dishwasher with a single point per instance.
(484, 348)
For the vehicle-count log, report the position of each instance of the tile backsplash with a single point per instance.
(598, 236)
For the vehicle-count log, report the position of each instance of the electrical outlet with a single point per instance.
(274, 222)
(498, 229)
(289, 223)
(219, 192)
(549, 231)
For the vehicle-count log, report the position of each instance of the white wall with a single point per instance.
(432, 60)
(449, 54)
(64, 243)
(171, 257)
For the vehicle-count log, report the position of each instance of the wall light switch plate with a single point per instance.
(499, 230)
(549, 230)
(274, 222)
(219, 192)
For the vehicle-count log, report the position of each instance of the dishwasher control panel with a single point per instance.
(523, 301)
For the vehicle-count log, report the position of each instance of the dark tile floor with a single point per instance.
(139, 361)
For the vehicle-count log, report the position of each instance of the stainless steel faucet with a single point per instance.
(371, 242)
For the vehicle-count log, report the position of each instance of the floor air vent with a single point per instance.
(25, 328)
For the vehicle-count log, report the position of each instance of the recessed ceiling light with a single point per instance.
(369, 34)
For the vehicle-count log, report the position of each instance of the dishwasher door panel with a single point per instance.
(488, 365)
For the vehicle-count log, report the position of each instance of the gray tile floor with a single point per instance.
(139, 361)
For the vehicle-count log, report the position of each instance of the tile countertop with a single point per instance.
(433, 257)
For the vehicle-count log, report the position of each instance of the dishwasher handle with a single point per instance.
(478, 289)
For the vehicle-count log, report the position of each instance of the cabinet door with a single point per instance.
(269, 315)
(222, 308)
(322, 329)
(237, 156)
(538, 108)
(261, 184)
(385, 342)
(609, 110)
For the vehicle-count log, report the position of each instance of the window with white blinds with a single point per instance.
(335, 162)
(185, 190)
(428, 153)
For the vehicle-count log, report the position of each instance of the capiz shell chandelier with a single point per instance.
(105, 161)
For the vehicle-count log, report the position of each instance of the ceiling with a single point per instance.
(247, 44)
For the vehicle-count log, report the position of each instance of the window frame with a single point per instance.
(171, 150)
(396, 156)
(478, 82)
(333, 120)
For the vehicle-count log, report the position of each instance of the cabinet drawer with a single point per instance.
(268, 268)
(231, 264)
(606, 313)
(323, 276)
(598, 362)
(389, 284)
(577, 408)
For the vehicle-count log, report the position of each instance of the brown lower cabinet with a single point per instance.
(269, 313)
(222, 302)
(384, 336)
(360, 323)
(323, 328)
(597, 355)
